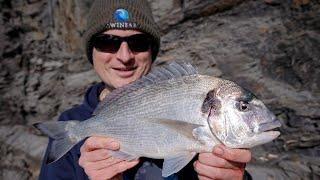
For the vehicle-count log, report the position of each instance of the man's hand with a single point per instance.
(222, 163)
(96, 161)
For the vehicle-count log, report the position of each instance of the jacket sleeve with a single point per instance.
(247, 176)
(61, 169)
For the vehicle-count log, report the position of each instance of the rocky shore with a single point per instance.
(271, 47)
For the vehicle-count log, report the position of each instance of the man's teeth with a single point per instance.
(125, 69)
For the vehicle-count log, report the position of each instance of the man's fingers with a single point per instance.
(96, 142)
(98, 165)
(216, 173)
(200, 177)
(235, 155)
(96, 160)
(210, 159)
(115, 169)
(96, 155)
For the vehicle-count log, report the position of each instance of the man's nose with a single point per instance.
(124, 53)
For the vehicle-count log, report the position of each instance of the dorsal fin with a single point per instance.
(172, 70)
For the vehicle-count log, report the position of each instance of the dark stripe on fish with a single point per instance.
(210, 103)
(247, 96)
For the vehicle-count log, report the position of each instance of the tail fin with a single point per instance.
(63, 139)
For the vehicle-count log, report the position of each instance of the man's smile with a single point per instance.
(124, 72)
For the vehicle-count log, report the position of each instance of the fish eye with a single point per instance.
(243, 105)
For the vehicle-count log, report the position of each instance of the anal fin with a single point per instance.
(176, 163)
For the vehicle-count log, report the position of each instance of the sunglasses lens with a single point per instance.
(107, 43)
(111, 44)
(139, 42)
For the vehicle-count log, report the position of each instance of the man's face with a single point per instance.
(123, 66)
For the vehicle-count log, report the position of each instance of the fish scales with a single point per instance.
(172, 113)
(129, 137)
(160, 111)
(154, 99)
(156, 111)
(146, 96)
(186, 96)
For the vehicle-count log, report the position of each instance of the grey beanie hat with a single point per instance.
(121, 14)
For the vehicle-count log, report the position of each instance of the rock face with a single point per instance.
(271, 47)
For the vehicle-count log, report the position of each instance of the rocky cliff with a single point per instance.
(271, 47)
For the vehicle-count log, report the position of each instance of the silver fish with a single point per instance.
(172, 113)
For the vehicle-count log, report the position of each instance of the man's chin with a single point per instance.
(123, 81)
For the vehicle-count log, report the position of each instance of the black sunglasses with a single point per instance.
(111, 43)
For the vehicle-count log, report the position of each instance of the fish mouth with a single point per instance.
(268, 126)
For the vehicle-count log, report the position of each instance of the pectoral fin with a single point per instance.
(176, 163)
(182, 127)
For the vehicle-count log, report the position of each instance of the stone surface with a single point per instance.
(23, 139)
(271, 47)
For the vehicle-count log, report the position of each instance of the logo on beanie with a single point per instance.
(121, 15)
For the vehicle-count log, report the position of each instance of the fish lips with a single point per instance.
(267, 126)
(264, 135)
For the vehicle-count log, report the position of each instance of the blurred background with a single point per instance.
(271, 47)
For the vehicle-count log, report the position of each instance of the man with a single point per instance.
(122, 41)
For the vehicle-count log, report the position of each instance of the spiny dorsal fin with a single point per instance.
(172, 70)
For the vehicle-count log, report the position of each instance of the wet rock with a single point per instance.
(22, 138)
(273, 2)
(266, 173)
(81, 79)
(14, 174)
(295, 170)
(20, 152)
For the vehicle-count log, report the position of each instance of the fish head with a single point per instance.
(238, 119)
